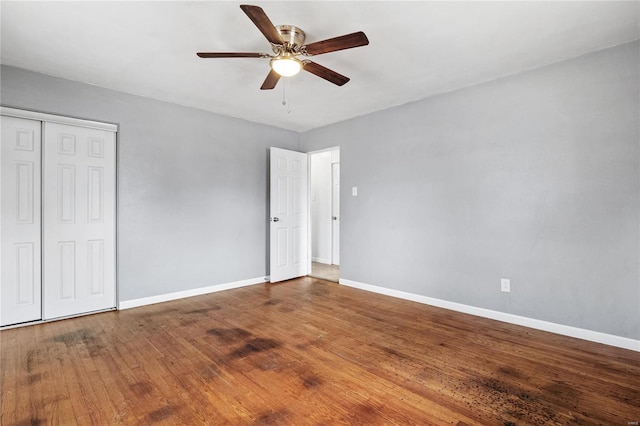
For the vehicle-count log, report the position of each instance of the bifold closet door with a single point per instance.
(79, 195)
(20, 289)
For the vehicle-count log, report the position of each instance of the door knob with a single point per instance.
(275, 219)
(335, 217)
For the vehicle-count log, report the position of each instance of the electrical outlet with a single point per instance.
(505, 285)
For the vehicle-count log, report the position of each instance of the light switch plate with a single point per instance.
(354, 191)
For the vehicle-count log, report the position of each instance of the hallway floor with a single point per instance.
(325, 272)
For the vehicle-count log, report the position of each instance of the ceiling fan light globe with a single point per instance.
(286, 67)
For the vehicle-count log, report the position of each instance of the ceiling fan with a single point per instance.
(287, 42)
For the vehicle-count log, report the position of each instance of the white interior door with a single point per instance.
(335, 213)
(288, 210)
(20, 285)
(79, 190)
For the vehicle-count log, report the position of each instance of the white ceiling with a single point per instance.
(417, 49)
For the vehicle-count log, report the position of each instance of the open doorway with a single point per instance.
(324, 203)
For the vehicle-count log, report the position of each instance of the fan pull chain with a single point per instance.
(284, 95)
(284, 92)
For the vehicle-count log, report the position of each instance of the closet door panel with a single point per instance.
(20, 222)
(79, 220)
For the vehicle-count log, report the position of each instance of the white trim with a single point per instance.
(134, 303)
(51, 118)
(321, 260)
(41, 321)
(309, 223)
(565, 330)
(334, 148)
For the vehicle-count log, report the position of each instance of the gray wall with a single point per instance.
(192, 185)
(533, 177)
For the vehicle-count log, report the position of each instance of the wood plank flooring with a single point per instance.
(312, 352)
(325, 272)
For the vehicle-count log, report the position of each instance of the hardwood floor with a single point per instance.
(308, 352)
(325, 272)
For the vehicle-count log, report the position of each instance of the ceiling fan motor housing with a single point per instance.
(291, 35)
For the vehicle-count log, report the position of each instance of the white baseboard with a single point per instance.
(127, 304)
(321, 260)
(565, 330)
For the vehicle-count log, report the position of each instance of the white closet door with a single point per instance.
(20, 289)
(79, 193)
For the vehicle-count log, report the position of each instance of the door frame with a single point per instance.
(309, 237)
(333, 215)
(79, 122)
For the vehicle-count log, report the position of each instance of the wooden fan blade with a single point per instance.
(231, 55)
(347, 41)
(326, 73)
(262, 21)
(271, 80)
